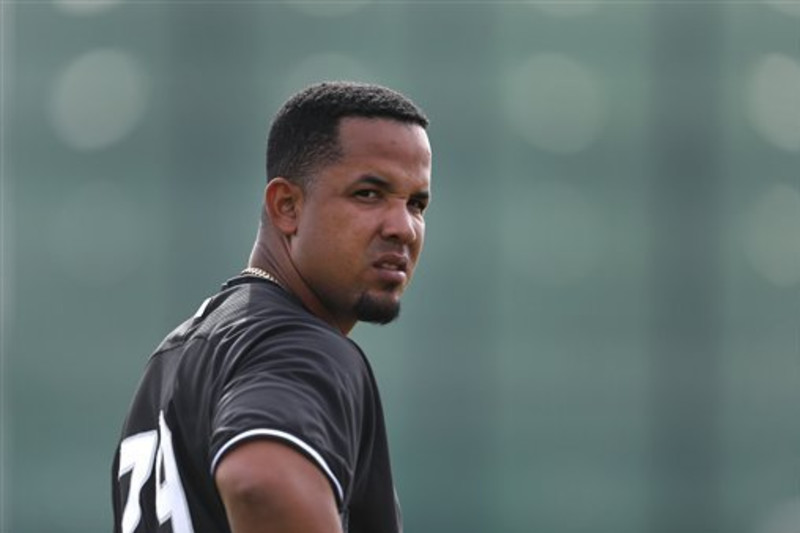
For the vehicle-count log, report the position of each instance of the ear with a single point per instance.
(283, 201)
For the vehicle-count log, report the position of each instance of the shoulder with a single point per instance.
(258, 323)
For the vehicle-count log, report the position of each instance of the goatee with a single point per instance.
(376, 310)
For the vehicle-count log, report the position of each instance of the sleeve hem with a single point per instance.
(281, 435)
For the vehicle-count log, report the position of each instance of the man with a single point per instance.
(259, 414)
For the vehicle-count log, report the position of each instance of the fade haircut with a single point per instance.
(304, 135)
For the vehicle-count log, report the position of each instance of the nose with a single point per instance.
(400, 225)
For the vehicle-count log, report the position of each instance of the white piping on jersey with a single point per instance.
(202, 308)
(285, 436)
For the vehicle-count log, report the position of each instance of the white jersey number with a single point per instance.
(138, 454)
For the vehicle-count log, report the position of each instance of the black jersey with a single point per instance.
(252, 363)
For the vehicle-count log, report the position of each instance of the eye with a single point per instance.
(367, 194)
(418, 205)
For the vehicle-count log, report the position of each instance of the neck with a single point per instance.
(271, 253)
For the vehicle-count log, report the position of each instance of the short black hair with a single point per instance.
(304, 133)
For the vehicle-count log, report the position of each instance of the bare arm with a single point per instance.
(269, 487)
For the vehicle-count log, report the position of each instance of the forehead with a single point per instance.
(393, 145)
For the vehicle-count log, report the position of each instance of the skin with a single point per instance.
(268, 487)
(363, 217)
(353, 236)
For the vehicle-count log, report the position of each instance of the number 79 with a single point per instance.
(138, 454)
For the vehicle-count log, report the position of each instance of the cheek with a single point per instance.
(312, 242)
(317, 229)
(420, 237)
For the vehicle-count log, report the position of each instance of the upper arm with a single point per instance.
(269, 487)
(301, 394)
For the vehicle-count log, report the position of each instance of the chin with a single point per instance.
(377, 309)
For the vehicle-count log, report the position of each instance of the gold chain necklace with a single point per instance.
(261, 273)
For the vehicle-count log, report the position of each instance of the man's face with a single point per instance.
(361, 227)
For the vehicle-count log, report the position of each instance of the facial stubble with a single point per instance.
(376, 310)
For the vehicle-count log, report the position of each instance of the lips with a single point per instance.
(392, 262)
(392, 268)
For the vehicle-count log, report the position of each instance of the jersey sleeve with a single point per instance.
(303, 387)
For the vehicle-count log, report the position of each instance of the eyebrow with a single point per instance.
(387, 186)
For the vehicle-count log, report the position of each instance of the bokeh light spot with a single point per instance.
(552, 234)
(99, 235)
(567, 8)
(774, 101)
(85, 7)
(788, 7)
(328, 8)
(772, 235)
(555, 103)
(782, 518)
(98, 99)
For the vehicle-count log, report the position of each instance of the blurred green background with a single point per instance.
(603, 332)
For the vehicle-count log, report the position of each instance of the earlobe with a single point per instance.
(282, 202)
